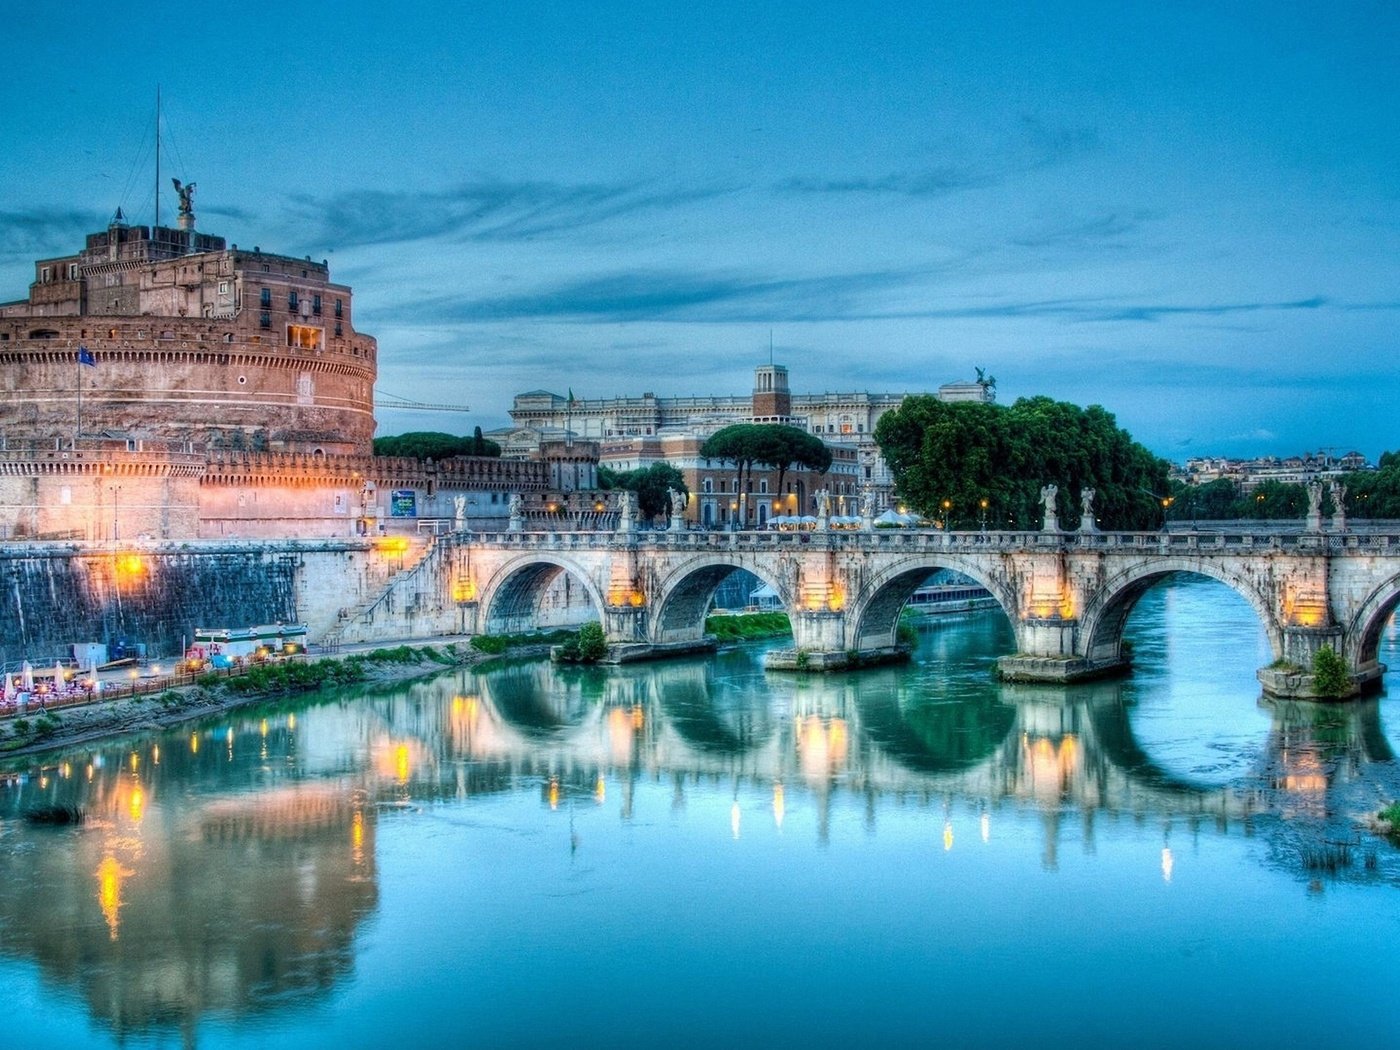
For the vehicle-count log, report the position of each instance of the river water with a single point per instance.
(701, 854)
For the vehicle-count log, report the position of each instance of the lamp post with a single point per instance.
(116, 512)
(983, 504)
(947, 506)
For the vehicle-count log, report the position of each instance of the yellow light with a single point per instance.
(262, 727)
(109, 892)
(636, 600)
(600, 791)
(135, 761)
(291, 721)
(137, 804)
(553, 793)
(194, 743)
(155, 754)
(391, 544)
(130, 564)
(463, 589)
(947, 836)
(401, 764)
(357, 832)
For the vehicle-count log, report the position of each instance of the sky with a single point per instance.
(1187, 213)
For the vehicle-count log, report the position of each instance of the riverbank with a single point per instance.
(43, 731)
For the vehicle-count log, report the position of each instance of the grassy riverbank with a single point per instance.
(745, 627)
(214, 693)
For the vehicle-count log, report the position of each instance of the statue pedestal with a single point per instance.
(1087, 524)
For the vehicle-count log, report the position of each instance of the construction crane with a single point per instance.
(387, 400)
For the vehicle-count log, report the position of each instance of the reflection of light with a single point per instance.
(109, 891)
(401, 763)
(155, 754)
(357, 837)
(947, 835)
(1166, 864)
(778, 807)
(986, 827)
(553, 793)
(600, 791)
(194, 743)
(734, 818)
(291, 721)
(137, 804)
(262, 727)
(135, 761)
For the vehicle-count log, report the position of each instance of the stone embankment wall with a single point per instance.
(53, 595)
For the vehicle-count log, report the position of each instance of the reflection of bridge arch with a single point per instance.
(511, 598)
(1363, 631)
(945, 738)
(687, 590)
(1114, 600)
(525, 699)
(876, 613)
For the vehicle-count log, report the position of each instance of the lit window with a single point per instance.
(304, 337)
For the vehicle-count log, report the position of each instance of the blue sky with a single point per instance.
(1189, 213)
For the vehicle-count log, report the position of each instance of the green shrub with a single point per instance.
(1391, 815)
(728, 627)
(592, 643)
(1330, 675)
(488, 643)
(21, 726)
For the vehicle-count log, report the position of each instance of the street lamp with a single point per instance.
(983, 504)
(947, 506)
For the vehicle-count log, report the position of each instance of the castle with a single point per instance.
(162, 384)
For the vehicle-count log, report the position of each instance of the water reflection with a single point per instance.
(228, 870)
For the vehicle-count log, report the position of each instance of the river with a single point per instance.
(697, 853)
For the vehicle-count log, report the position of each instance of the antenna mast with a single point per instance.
(157, 223)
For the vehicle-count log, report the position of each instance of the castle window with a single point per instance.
(72, 271)
(46, 274)
(338, 332)
(316, 305)
(264, 320)
(303, 337)
(223, 288)
(265, 299)
(292, 300)
(339, 308)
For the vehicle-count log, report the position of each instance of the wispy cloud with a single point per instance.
(43, 231)
(936, 182)
(487, 210)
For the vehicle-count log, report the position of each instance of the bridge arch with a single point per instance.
(874, 618)
(1363, 630)
(511, 598)
(1107, 611)
(686, 591)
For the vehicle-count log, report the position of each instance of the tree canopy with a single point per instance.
(950, 457)
(774, 445)
(650, 484)
(429, 444)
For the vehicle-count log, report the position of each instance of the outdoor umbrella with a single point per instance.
(26, 676)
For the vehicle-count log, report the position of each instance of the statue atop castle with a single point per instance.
(185, 191)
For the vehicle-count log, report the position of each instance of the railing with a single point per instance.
(1205, 542)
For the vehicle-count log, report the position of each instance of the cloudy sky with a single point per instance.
(1188, 216)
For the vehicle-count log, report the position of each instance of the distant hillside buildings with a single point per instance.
(1248, 474)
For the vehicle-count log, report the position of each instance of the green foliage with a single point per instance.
(962, 453)
(907, 633)
(587, 646)
(402, 654)
(774, 445)
(727, 628)
(21, 726)
(430, 444)
(650, 485)
(1391, 815)
(1330, 674)
(495, 644)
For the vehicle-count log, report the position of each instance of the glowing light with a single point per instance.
(135, 761)
(391, 545)
(947, 836)
(401, 763)
(262, 727)
(194, 743)
(553, 793)
(137, 804)
(636, 600)
(291, 721)
(155, 755)
(357, 835)
(463, 589)
(779, 808)
(1167, 864)
(109, 892)
(734, 818)
(130, 565)
(600, 791)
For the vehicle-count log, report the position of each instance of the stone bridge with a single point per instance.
(1066, 594)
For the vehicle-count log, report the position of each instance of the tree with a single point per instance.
(651, 485)
(771, 444)
(428, 444)
(948, 458)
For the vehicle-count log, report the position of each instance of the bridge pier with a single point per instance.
(1292, 679)
(821, 636)
(1049, 653)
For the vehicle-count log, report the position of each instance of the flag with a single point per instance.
(85, 357)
